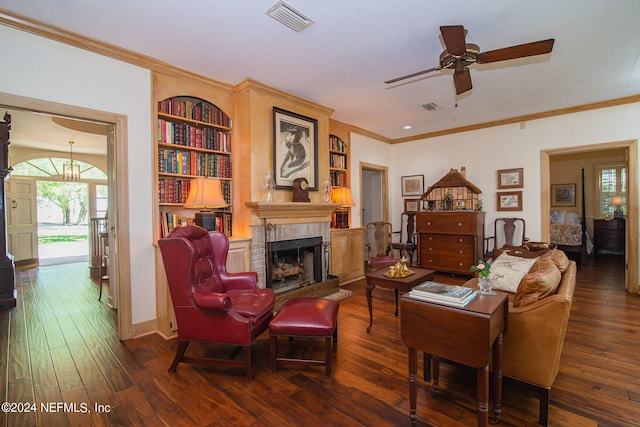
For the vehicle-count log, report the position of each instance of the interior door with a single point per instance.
(372, 203)
(22, 222)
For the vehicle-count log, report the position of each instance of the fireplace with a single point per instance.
(279, 228)
(294, 263)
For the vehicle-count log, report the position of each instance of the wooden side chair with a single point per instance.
(378, 237)
(406, 243)
(506, 232)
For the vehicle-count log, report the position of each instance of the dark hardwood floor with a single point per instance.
(60, 345)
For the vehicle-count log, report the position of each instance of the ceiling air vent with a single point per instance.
(288, 16)
(431, 106)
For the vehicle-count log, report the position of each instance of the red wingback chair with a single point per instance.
(210, 304)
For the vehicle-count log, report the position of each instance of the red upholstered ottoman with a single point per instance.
(309, 318)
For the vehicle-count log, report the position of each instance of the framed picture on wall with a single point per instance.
(509, 201)
(411, 205)
(510, 178)
(295, 149)
(563, 195)
(412, 185)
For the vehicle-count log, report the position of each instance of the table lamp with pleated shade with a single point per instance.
(342, 197)
(206, 194)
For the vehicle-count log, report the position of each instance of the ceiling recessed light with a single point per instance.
(407, 127)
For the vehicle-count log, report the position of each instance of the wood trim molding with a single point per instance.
(256, 86)
(308, 212)
(527, 117)
(38, 28)
(42, 29)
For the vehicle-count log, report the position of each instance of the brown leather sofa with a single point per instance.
(533, 342)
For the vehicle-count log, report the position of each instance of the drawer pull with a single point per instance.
(428, 222)
(461, 240)
(461, 251)
(459, 224)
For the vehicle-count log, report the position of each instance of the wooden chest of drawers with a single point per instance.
(450, 241)
(609, 235)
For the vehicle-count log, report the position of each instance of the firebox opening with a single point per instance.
(293, 264)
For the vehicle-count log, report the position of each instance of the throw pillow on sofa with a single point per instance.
(543, 281)
(556, 256)
(508, 271)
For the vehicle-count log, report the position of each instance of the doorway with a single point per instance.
(117, 154)
(374, 201)
(62, 226)
(630, 149)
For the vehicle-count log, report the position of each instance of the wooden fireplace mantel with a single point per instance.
(296, 211)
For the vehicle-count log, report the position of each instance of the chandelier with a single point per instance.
(71, 169)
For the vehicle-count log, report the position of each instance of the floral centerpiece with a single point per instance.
(485, 280)
(483, 268)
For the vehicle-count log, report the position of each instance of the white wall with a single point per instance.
(485, 151)
(365, 150)
(43, 69)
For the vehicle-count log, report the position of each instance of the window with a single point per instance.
(613, 182)
(52, 167)
(102, 201)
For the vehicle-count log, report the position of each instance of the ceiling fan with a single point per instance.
(458, 55)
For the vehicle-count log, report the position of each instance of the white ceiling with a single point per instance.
(342, 60)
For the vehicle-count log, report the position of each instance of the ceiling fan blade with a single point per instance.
(453, 36)
(462, 81)
(408, 76)
(513, 52)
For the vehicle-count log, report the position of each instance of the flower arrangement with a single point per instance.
(483, 268)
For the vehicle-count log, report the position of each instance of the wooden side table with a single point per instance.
(466, 335)
(404, 284)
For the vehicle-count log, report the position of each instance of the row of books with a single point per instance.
(172, 190)
(441, 293)
(176, 190)
(336, 144)
(194, 109)
(194, 163)
(170, 220)
(337, 161)
(193, 136)
(338, 178)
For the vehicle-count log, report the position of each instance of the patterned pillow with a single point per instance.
(508, 271)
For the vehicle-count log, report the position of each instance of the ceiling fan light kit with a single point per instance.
(459, 54)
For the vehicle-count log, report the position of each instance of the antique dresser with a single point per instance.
(450, 241)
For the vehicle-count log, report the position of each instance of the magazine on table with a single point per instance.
(441, 291)
(425, 296)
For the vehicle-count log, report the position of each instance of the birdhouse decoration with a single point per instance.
(452, 193)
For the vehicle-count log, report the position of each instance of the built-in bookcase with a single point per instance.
(338, 162)
(194, 140)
